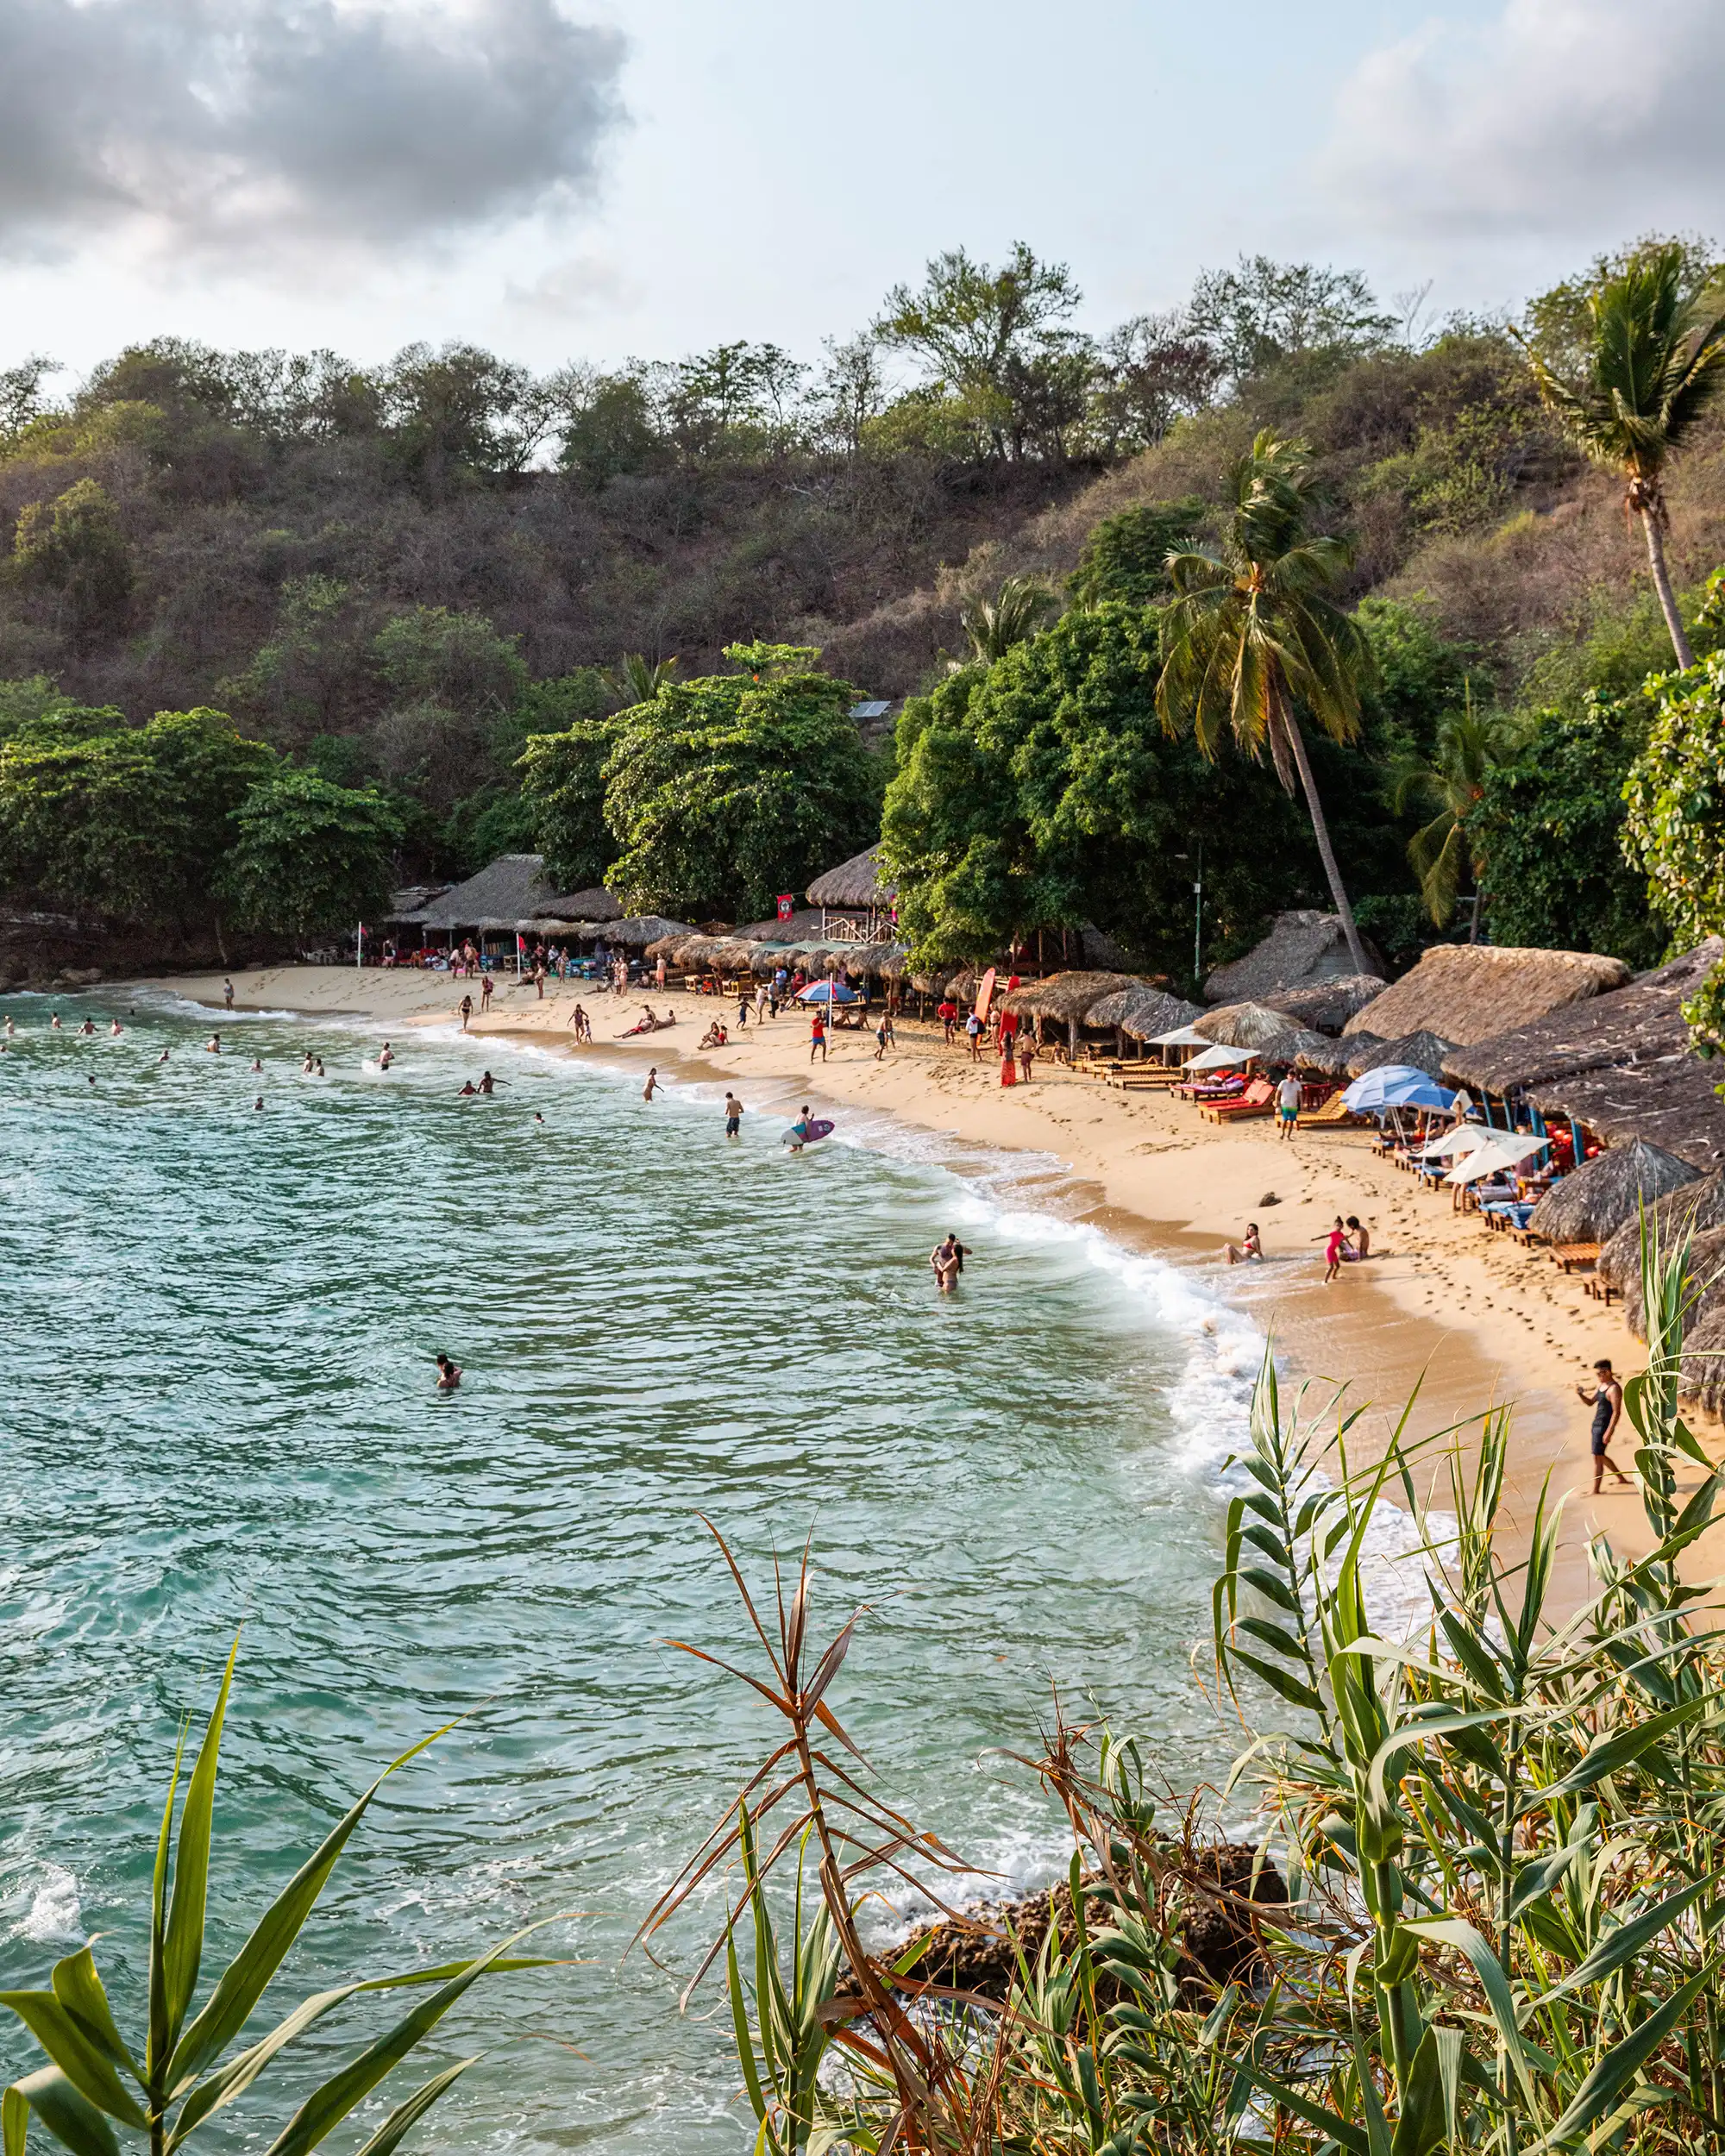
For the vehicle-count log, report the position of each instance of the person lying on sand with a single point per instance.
(1247, 1249)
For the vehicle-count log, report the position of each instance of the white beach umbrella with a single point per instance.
(1500, 1149)
(1219, 1058)
(1182, 1036)
(1466, 1137)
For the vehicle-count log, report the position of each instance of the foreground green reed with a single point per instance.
(1500, 1836)
(176, 2079)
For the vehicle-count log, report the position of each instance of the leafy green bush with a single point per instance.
(1548, 834)
(1675, 797)
(309, 857)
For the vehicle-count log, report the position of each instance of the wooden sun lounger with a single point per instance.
(1258, 1098)
(1602, 1290)
(1570, 1256)
(1332, 1116)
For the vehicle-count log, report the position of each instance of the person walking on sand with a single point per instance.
(733, 1116)
(466, 1011)
(1288, 1106)
(972, 1033)
(1248, 1249)
(1606, 1400)
(487, 989)
(652, 1084)
(883, 1034)
(817, 1036)
(228, 993)
(760, 1004)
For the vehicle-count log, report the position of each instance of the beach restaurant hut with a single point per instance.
(1065, 999)
(1302, 947)
(1467, 992)
(1241, 1025)
(1601, 1194)
(1295, 1047)
(508, 896)
(1326, 1006)
(858, 901)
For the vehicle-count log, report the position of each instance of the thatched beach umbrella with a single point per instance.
(1299, 1045)
(1594, 1202)
(1704, 1276)
(1691, 1209)
(643, 929)
(1331, 1061)
(1241, 1025)
(1327, 1005)
(1066, 998)
(1419, 1051)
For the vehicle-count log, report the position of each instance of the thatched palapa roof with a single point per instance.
(1299, 1045)
(1302, 947)
(636, 933)
(1594, 1201)
(1066, 996)
(1692, 1209)
(1467, 992)
(804, 923)
(512, 888)
(1327, 1005)
(1625, 1026)
(1241, 1025)
(1142, 1011)
(854, 883)
(1419, 1051)
(1668, 1099)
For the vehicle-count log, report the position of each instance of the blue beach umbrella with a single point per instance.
(1397, 1086)
(828, 992)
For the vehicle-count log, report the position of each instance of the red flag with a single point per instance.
(787, 905)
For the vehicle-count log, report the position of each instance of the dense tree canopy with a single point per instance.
(723, 792)
(1675, 796)
(1044, 791)
(1548, 837)
(308, 857)
(132, 822)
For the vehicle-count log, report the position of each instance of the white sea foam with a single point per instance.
(55, 1916)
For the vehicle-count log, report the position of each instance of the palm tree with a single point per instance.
(635, 679)
(1470, 745)
(1252, 633)
(993, 626)
(1655, 362)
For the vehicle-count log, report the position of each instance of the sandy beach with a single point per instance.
(1472, 1319)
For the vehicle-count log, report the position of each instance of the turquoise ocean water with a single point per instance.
(219, 1411)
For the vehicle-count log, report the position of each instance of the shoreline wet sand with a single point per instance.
(1473, 1320)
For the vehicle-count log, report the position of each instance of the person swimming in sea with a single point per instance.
(469, 1091)
(652, 1084)
(257, 1065)
(213, 1045)
(259, 1102)
(449, 1375)
(162, 1058)
(487, 1083)
(947, 1259)
(53, 1022)
(539, 1119)
(116, 1029)
(88, 1028)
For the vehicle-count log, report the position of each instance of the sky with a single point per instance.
(561, 179)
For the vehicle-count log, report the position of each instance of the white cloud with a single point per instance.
(1591, 119)
(579, 288)
(249, 128)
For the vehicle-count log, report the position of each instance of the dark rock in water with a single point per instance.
(1209, 1918)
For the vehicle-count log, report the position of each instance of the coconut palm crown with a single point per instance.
(1655, 361)
(1253, 635)
(1470, 745)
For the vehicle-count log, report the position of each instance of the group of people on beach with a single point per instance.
(1347, 1242)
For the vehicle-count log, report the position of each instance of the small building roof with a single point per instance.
(1326, 1006)
(856, 882)
(1414, 1051)
(872, 707)
(1302, 947)
(1467, 992)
